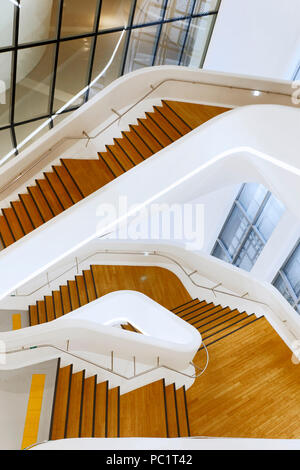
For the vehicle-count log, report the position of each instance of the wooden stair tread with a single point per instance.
(72, 286)
(89, 175)
(181, 127)
(125, 160)
(172, 418)
(65, 299)
(182, 412)
(60, 404)
(22, 216)
(13, 223)
(74, 406)
(89, 283)
(113, 412)
(112, 164)
(48, 300)
(41, 311)
(194, 114)
(68, 183)
(31, 209)
(147, 137)
(163, 138)
(126, 146)
(197, 313)
(50, 196)
(41, 203)
(81, 289)
(5, 232)
(209, 317)
(193, 307)
(135, 418)
(33, 315)
(88, 404)
(101, 410)
(224, 330)
(222, 319)
(59, 189)
(164, 124)
(138, 143)
(58, 308)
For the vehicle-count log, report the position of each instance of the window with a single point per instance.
(251, 221)
(52, 49)
(287, 280)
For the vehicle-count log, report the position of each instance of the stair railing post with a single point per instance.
(134, 366)
(112, 361)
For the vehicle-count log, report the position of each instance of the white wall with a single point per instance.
(256, 37)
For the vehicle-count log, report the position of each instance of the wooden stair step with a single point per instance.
(68, 183)
(72, 286)
(113, 412)
(147, 137)
(41, 203)
(172, 414)
(81, 289)
(224, 330)
(226, 315)
(194, 114)
(163, 138)
(75, 405)
(13, 223)
(57, 302)
(48, 300)
(59, 189)
(50, 196)
(126, 160)
(138, 143)
(161, 121)
(90, 287)
(41, 309)
(5, 232)
(117, 155)
(187, 304)
(200, 311)
(143, 412)
(183, 420)
(31, 209)
(23, 217)
(33, 315)
(65, 299)
(100, 423)
(173, 119)
(60, 403)
(185, 310)
(126, 147)
(111, 163)
(89, 175)
(88, 407)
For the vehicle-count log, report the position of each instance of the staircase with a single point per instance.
(86, 407)
(75, 179)
(213, 321)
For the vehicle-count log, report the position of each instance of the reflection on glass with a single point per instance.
(38, 20)
(204, 6)
(32, 89)
(5, 143)
(171, 42)
(72, 71)
(196, 43)
(177, 8)
(115, 13)
(141, 48)
(22, 132)
(105, 47)
(148, 11)
(78, 17)
(5, 67)
(6, 24)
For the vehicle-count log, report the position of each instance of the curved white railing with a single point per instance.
(90, 331)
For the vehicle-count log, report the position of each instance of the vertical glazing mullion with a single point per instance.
(14, 74)
(187, 32)
(58, 34)
(127, 41)
(159, 31)
(212, 26)
(93, 48)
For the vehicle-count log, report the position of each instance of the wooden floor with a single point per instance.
(250, 389)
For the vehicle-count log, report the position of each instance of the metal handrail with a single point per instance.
(111, 370)
(214, 289)
(86, 136)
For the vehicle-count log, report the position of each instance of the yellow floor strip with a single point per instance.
(31, 428)
(16, 321)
